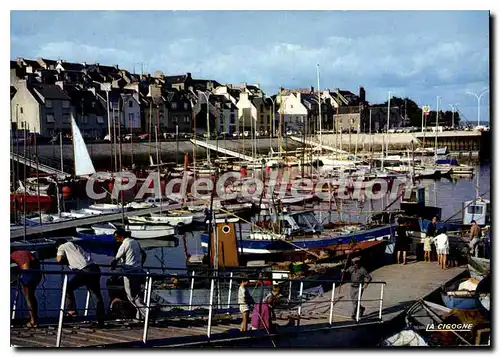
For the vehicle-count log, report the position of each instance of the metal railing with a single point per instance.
(213, 306)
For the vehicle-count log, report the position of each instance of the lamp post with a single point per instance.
(208, 123)
(453, 110)
(478, 102)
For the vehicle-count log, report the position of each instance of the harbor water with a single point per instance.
(445, 193)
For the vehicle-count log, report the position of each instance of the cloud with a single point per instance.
(420, 54)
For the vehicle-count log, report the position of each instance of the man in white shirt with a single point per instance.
(132, 257)
(79, 260)
(442, 247)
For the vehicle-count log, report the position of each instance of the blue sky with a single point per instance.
(419, 54)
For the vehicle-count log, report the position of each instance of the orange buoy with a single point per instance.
(66, 190)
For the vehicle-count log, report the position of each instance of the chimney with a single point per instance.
(298, 96)
(362, 95)
(312, 89)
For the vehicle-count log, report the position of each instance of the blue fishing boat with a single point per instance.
(89, 235)
(302, 230)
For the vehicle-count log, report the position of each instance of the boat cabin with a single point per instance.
(296, 223)
(415, 204)
(478, 210)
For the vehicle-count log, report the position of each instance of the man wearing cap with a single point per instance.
(79, 260)
(132, 257)
(359, 276)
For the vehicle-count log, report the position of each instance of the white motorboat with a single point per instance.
(137, 231)
(107, 208)
(149, 202)
(173, 218)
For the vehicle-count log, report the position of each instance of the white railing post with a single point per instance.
(229, 292)
(209, 326)
(290, 291)
(146, 287)
(61, 311)
(359, 301)
(331, 303)
(381, 301)
(14, 306)
(87, 302)
(149, 281)
(299, 311)
(191, 292)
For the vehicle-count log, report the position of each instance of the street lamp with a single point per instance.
(208, 123)
(453, 110)
(478, 102)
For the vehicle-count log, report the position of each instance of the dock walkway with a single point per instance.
(405, 284)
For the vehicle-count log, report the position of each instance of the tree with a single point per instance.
(414, 113)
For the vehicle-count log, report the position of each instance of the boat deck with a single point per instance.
(405, 284)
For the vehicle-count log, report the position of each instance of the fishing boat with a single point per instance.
(461, 294)
(301, 230)
(454, 166)
(137, 231)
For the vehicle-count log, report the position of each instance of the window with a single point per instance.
(100, 120)
(475, 210)
(131, 118)
(65, 104)
(21, 110)
(186, 119)
(232, 118)
(130, 104)
(85, 119)
(50, 118)
(268, 117)
(174, 105)
(185, 106)
(48, 103)
(262, 107)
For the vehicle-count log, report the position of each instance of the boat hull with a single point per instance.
(272, 246)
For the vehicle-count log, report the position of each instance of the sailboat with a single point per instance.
(83, 168)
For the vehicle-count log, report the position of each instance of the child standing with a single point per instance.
(244, 302)
(427, 248)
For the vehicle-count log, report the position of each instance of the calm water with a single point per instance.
(444, 193)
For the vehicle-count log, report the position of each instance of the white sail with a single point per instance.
(83, 163)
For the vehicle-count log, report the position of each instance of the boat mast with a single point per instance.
(280, 135)
(436, 134)
(320, 121)
(158, 171)
(24, 179)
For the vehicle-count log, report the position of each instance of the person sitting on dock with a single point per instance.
(402, 241)
(132, 257)
(79, 260)
(29, 281)
(442, 247)
(475, 236)
(244, 301)
(360, 278)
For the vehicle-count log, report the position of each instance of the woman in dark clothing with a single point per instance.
(402, 242)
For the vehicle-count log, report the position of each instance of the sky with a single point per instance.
(415, 54)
